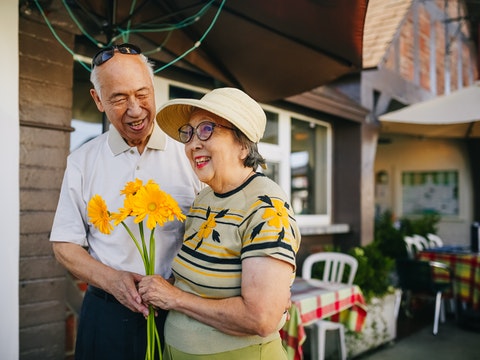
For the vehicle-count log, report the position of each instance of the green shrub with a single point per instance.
(389, 234)
(374, 269)
(426, 224)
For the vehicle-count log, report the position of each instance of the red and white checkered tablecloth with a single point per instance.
(466, 273)
(312, 300)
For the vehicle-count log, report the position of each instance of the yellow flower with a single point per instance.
(154, 205)
(142, 202)
(277, 215)
(207, 227)
(132, 187)
(171, 207)
(358, 251)
(98, 214)
(124, 212)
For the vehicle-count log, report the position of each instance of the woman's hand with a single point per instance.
(159, 292)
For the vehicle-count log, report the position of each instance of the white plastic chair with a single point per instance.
(335, 267)
(421, 241)
(412, 245)
(435, 240)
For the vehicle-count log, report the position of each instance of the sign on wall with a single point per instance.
(426, 192)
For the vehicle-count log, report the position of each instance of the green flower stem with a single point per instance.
(150, 353)
(157, 337)
(151, 270)
(136, 243)
(145, 256)
(152, 337)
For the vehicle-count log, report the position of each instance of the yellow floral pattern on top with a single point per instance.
(207, 227)
(275, 212)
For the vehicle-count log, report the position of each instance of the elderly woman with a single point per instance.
(237, 261)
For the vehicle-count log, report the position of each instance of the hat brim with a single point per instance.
(175, 113)
(231, 104)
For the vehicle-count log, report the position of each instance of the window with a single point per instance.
(271, 129)
(308, 167)
(272, 171)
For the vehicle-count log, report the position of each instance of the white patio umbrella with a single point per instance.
(456, 115)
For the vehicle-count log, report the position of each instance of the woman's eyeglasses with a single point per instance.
(204, 131)
(107, 53)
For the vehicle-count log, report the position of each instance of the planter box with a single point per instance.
(380, 325)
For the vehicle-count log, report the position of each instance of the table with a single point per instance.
(465, 266)
(313, 300)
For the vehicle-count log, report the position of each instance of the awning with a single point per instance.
(272, 49)
(455, 115)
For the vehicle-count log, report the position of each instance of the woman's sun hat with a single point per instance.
(229, 103)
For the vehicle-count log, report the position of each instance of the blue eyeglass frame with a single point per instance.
(189, 130)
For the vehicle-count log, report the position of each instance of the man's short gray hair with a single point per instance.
(94, 79)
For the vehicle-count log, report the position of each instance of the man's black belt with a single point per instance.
(102, 294)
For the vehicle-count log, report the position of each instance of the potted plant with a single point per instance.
(389, 232)
(374, 277)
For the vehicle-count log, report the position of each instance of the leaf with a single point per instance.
(216, 236)
(199, 244)
(266, 199)
(293, 231)
(281, 235)
(256, 230)
(221, 213)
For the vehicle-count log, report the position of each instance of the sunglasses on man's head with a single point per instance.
(107, 53)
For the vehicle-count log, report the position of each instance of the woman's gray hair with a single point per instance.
(96, 81)
(253, 159)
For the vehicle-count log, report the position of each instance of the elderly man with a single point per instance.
(112, 320)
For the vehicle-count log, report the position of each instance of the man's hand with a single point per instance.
(124, 287)
(121, 284)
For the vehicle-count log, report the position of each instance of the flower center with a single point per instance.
(152, 206)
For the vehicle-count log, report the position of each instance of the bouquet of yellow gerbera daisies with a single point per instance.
(143, 202)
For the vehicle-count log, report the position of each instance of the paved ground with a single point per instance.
(416, 341)
(452, 342)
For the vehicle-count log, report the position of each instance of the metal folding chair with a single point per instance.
(416, 278)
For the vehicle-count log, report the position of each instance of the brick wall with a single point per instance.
(424, 37)
(418, 53)
(45, 116)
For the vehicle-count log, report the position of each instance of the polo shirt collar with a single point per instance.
(157, 141)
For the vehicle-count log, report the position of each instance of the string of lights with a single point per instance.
(198, 43)
(124, 33)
